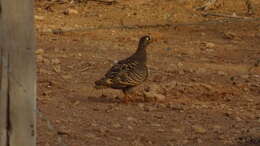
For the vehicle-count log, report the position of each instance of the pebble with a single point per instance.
(159, 97)
(199, 140)
(103, 130)
(170, 85)
(55, 61)
(257, 35)
(70, 11)
(130, 127)
(201, 71)
(222, 73)
(132, 119)
(199, 129)
(229, 35)
(209, 45)
(39, 51)
(160, 130)
(155, 125)
(116, 125)
(180, 64)
(141, 105)
(176, 130)
(238, 119)
(175, 106)
(216, 128)
(149, 108)
(152, 96)
(118, 138)
(149, 96)
(91, 136)
(40, 18)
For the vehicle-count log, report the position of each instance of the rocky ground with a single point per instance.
(204, 83)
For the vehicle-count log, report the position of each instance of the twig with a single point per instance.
(82, 29)
(223, 15)
(99, 1)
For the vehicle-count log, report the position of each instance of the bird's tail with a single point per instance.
(101, 84)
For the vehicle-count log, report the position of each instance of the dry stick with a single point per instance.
(82, 29)
(223, 15)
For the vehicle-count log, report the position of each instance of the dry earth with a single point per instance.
(209, 74)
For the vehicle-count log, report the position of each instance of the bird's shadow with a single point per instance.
(103, 99)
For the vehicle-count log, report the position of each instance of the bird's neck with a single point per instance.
(140, 53)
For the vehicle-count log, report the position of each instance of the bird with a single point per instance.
(127, 73)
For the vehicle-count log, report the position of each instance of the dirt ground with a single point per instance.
(209, 74)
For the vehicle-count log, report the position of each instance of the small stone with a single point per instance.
(70, 11)
(161, 105)
(229, 35)
(149, 108)
(118, 138)
(222, 73)
(171, 85)
(103, 130)
(155, 125)
(160, 130)
(63, 132)
(55, 61)
(238, 119)
(199, 129)
(116, 125)
(130, 127)
(149, 96)
(168, 49)
(39, 51)
(131, 119)
(174, 106)
(40, 58)
(153, 96)
(153, 88)
(91, 136)
(57, 68)
(37, 17)
(216, 128)
(209, 45)
(201, 71)
(141, 105)
(180, 64)
(245, 76)
(199, 140)
(176, 130)
(159, 97)
(257, 35)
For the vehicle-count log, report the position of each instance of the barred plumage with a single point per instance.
(129, 72)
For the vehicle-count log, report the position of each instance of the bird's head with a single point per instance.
(145, 41)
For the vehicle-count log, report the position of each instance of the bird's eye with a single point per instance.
(147, 38)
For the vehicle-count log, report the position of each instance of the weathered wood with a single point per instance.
(3, 90)
(18, 40)
(3, 97)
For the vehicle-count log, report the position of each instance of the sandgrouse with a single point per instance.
(129, 72)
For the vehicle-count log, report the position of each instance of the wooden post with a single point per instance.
(17, 74)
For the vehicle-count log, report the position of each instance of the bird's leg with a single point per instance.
(126, 97)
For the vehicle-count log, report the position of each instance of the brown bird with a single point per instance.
(129, 72)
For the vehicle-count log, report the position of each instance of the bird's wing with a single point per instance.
(122, 72)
